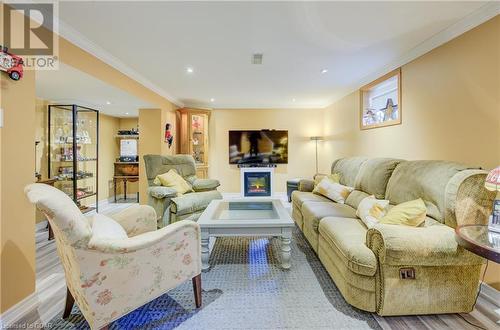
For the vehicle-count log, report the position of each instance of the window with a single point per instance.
(381, 101)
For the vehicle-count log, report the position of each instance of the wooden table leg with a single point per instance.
(51, 232)
(125, 188)
(114, 187)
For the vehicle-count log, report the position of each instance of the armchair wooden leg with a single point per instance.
(197, 290)
(70, 301)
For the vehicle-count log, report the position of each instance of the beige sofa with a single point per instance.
(368, 266)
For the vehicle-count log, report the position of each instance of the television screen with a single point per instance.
(258, 147)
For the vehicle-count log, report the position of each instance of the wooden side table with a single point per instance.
(124, 179)
(479, 240)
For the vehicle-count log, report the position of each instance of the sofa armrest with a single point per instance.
(306, 185)
(160, 192)
(190, 230)
(434, 245)
(137, 219)
(190, 203)
(205, 184)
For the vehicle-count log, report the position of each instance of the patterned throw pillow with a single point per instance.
(410, 213)
(371, 210)
(332, 190)
(335, 177)
(173, 180)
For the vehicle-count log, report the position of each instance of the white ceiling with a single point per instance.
(69, 85)
(154, 42)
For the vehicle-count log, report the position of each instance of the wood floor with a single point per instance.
(51, 290)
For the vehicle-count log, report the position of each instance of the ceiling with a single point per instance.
(69, 85)
(155, 43)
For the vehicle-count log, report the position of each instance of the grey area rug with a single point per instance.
(246, 288)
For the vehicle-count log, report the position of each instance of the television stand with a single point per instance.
(256, 165)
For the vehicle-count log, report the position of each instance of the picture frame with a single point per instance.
(380, 102)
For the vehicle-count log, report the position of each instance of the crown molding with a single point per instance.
(470, 21)
(76, 38)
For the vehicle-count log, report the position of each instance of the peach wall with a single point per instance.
(18, 136)
(300, 123)
(450, 108)
(17, 252)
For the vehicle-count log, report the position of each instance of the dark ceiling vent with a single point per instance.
(257, 58)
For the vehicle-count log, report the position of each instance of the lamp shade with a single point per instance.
(493, 180)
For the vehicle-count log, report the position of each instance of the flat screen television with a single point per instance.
(258, 147)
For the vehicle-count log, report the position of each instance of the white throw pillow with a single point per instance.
(371, 210)
(105, 228)
(332, 190)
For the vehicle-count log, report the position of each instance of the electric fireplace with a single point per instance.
(257, 184)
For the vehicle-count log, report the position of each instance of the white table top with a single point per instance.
(245, 212)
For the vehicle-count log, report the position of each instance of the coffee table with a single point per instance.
(246, 217)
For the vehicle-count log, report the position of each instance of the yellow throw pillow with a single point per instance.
(410, 213)
(333, 190)
(173, 180)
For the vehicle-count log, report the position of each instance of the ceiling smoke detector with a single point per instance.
(257, 58)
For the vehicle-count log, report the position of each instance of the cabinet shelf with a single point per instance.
(86, 196)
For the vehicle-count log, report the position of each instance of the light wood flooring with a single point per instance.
(51, 290)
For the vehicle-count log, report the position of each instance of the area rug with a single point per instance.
(246, 288)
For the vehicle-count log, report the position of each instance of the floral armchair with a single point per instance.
(110, 277)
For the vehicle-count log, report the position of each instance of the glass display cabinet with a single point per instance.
(73, 140)
(193, 124)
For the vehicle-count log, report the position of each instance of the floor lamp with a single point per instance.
(316, 139)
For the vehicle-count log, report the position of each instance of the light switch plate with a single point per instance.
(1, 117)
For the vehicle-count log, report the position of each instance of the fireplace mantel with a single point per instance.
(259, 169)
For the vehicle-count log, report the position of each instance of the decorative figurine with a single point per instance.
(169, 138)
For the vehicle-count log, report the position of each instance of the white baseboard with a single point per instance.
(16, 312)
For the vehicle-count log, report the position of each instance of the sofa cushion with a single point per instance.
(193, 202)
(374, 174)
(355, 197)
(348, 237)
(313, 212)
(426, 179)
(348, 169)
(300, 197)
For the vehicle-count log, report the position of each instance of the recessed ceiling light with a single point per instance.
(126, 113)
(212, 100)
(324, 71)
(108, 103)
(189, 69)
(293, 100)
